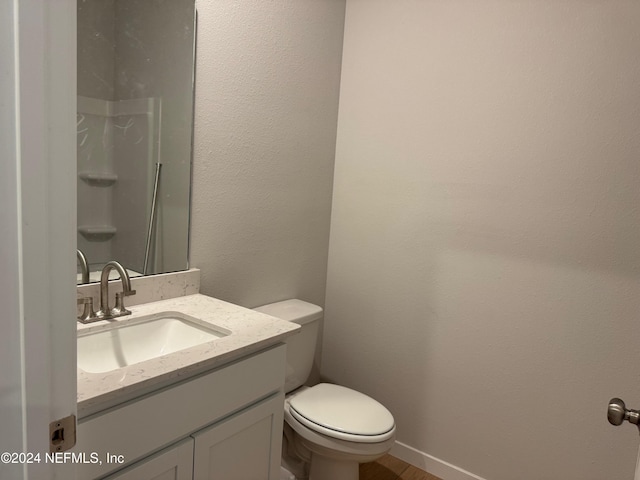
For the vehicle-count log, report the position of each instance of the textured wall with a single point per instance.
(265, 123)
(484, 257)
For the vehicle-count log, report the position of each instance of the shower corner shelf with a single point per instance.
(97, 233)
(99, 179)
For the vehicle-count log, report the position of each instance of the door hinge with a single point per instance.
(62, 434)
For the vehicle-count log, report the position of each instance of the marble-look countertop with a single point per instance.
(251, 331)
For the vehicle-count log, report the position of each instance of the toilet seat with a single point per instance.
(342, 413)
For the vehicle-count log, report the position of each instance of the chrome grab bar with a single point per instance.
(152, 219)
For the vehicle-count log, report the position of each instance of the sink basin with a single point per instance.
(102, 350)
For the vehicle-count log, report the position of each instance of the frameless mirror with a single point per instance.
(134, 133)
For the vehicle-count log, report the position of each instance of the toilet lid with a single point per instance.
(342, 413)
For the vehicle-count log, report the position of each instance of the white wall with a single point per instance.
(265, 123)
(485, 236)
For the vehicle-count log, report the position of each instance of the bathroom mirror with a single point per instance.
(134, 133)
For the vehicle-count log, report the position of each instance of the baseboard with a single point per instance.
(431, 464)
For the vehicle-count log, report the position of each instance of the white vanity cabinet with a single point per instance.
(225, 424)
(173, 463)
(243, 446)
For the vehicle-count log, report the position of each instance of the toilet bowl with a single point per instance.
(329, 429)
(335, 439)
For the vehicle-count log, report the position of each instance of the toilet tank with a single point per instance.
(301, 347)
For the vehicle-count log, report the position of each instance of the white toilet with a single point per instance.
(328, 429)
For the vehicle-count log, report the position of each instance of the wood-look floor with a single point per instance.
(391, 468)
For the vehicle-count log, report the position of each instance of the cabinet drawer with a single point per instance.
(145, 425)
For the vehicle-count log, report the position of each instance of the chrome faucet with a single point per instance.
(119, 310)
(84, 266)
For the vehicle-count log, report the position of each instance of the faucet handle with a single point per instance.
(88, 315)
(120, 309)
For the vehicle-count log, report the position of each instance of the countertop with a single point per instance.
(251, 332)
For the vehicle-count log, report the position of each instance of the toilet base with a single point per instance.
(323, 457)
(286, 474)
(323, 468)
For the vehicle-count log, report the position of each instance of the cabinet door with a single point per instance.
(246, 446)
(173, 463)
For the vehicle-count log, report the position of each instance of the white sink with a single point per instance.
(134, 341)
